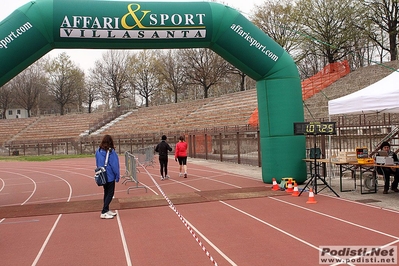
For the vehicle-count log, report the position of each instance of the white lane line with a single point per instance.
(3, 184)
(33, 181)
(320, 213)
(59, 177)
(125, 248)
(336, 218)
(184, 184)
(276, 228)
(363, 204)
(46, 241)
(230, 173)
(56, 169)
(182, 219)
(186, 181)
(148, 187)
(19, 222)
(354, 258)
(222, 182)
(84, 175)
(211, 244)
(56, 222)
(270, 225)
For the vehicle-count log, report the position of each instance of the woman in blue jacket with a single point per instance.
(113, 173)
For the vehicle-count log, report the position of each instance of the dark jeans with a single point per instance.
(163, 162)
(387, 172)
(109, 190)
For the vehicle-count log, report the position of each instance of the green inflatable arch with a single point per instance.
(36, 28)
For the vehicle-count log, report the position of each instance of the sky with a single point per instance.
(85, 58)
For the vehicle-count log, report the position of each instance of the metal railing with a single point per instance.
(131, 172)
(236, 144)
(145, 156)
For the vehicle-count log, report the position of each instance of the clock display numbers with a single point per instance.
(315, 128)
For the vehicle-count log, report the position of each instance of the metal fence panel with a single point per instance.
(131, 172)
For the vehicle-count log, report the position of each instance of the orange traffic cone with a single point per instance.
(311, 197)
(296, 191)
(275, 185)
(289, 188)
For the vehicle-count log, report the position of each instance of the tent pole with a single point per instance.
(330, 153)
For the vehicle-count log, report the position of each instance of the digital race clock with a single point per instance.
(315, 128)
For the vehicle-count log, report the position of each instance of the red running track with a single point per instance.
(270, 230)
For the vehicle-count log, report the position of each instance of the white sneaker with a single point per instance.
(167, 177)
(162, 179)
(111, 213)
(180, 174)
(106, 216)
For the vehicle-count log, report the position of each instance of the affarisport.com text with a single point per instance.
(253, 42)
(358, 255)
(6, 41)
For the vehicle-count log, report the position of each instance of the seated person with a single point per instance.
(388, 171)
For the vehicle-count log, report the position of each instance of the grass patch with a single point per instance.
(43, 158)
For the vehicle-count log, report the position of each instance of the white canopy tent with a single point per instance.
(380, 97)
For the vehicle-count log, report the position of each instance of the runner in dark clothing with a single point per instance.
(162, 148)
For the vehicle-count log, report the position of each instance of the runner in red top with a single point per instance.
(181, 156)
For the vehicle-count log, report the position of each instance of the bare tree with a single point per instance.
(204, 68)
(330, 25)
(243, 78)
(65, 79)
(6, 98)
(276, 18)
(144, 77)
(28, 86)
(384, 14)
(172, 72)
(113, 71)
(92, 91)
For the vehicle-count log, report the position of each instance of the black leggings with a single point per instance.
(163, 162)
